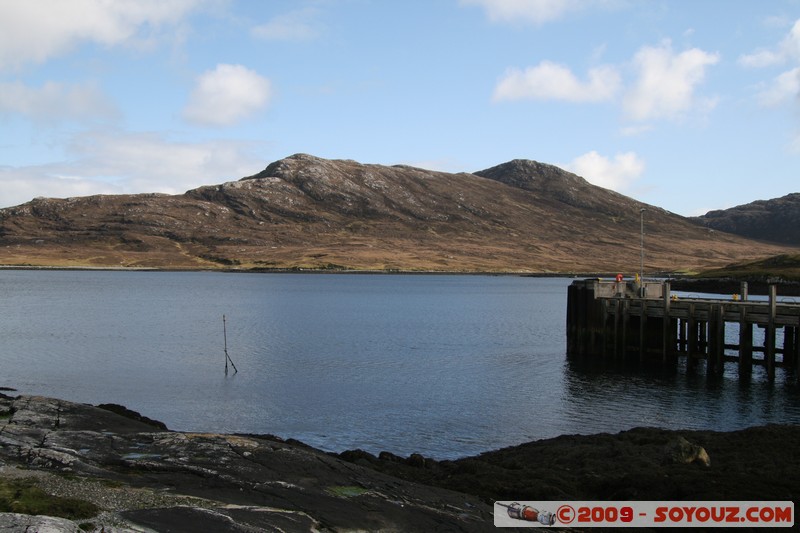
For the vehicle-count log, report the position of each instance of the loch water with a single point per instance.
(443, 365)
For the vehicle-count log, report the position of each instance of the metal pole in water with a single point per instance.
(225, 338)
(227, 357)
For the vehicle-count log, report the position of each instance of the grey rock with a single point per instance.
(22, 523)
(160, 479)
(680, 450)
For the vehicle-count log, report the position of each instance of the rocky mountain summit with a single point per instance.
(311, 213)
(776, 220)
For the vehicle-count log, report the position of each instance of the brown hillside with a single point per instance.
(307, 212)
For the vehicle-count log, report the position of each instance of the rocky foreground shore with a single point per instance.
(120, 471)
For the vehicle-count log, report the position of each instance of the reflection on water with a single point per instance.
(673, 396)
(442, 365)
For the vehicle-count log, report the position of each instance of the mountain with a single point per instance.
(308, 212)
(776, 220)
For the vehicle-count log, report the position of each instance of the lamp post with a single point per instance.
(641, 250)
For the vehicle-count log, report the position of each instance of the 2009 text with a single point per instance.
(605, 514)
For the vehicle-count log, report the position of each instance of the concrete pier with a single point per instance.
(627, 319)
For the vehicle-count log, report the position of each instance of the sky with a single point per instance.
(687, 105)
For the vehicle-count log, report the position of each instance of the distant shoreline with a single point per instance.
(678, 282)
(300, 270)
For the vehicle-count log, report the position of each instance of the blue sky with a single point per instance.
(690, 106)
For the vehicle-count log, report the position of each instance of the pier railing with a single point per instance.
(624, 319)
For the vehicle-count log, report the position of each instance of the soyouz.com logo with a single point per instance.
(644, 514)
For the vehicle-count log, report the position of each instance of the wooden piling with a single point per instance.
(692, 334)
(682, 346)
(642, 329)
(797, 351)
(702, 336)
(716, 339)
(626, 304)
(769, 334)
(790, 339)
(667, 338)
(609, 319)
(617, 331)
(745, 342)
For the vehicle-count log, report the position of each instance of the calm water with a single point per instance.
(442, 365)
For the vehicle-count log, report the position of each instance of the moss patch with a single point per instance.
(24, 497)
(345, 491)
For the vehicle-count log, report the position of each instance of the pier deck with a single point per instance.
(606, 318)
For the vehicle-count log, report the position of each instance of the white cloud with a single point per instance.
(300, 25)
(635, 130)
(665, 84)
(551, 81)
(527, 11)
(667, 81)
(53, 102)
(151, 163)
(226, 95)
(616, 174)
(33, 31)
(761, 58)
(784, 88)
(116, 163)
(20, 185)
(794, 146)
(777, 21)
(787, 50)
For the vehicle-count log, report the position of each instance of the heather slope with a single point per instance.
(308, 212)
